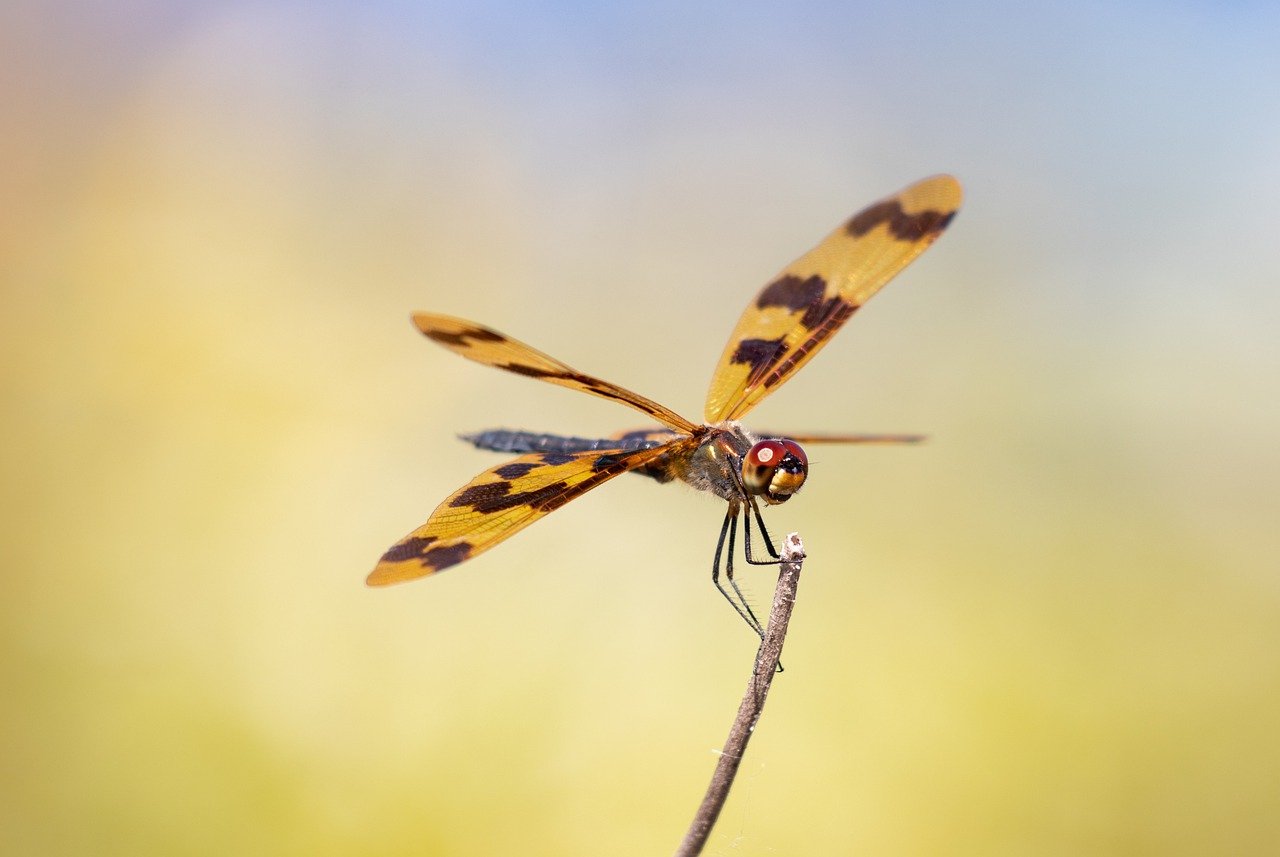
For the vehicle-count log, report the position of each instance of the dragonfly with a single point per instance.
(780, 331)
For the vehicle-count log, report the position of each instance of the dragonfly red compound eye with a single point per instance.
(774, 469)
(761, 463)
(795, 450)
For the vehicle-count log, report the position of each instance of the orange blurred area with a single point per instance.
(1052, 629)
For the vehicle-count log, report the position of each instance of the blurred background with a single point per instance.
(1054, 629)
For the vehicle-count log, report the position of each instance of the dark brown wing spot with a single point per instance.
(460, 339)
(497, 497)
(443, 557)
(757, 353)
(600, 388)
(556, 458)
(839, 314)
(411, 548)
(482, 497)
(903, 226)
(792, 293)
(593, 385)
(516, 469)
(531, 371)
(585, 382)
(821, 313)
(922, 224)
(544, 499)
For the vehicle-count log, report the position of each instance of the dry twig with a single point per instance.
(752, 705)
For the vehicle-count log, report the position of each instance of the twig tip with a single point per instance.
(792, 548)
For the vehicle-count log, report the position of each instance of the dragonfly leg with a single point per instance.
(728, 572)
(764, 533)
(730, 528)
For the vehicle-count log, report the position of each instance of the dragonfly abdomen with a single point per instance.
(520, 442)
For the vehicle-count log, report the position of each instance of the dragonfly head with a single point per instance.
(775, 469)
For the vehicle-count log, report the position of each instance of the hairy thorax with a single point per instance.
(713, 466)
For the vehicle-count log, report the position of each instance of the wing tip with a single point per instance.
(420, 319)
(427, 322)
(377, 577)
(941, 187)
(417, 556)
(388, 573)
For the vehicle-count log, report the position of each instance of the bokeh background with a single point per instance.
(1055, 629)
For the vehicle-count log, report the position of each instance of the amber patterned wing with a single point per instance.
(499, 503)
(483, 345)
(795, 315)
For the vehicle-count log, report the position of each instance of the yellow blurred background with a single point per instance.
(1054, 629)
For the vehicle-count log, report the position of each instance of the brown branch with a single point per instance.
(784, 597)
